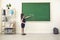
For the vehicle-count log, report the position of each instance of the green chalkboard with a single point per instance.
(40, 11)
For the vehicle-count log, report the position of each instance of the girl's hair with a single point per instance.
(22, 15)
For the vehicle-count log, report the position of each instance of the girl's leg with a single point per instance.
(22, 30)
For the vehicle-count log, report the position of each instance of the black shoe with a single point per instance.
(23, 34)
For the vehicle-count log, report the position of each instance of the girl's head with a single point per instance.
(22, 15)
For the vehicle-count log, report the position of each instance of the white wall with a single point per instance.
(0, 16)
(55, 12)
(37, 26)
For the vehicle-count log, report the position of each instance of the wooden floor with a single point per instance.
(31, 36)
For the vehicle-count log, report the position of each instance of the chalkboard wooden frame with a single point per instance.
(40, 11)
